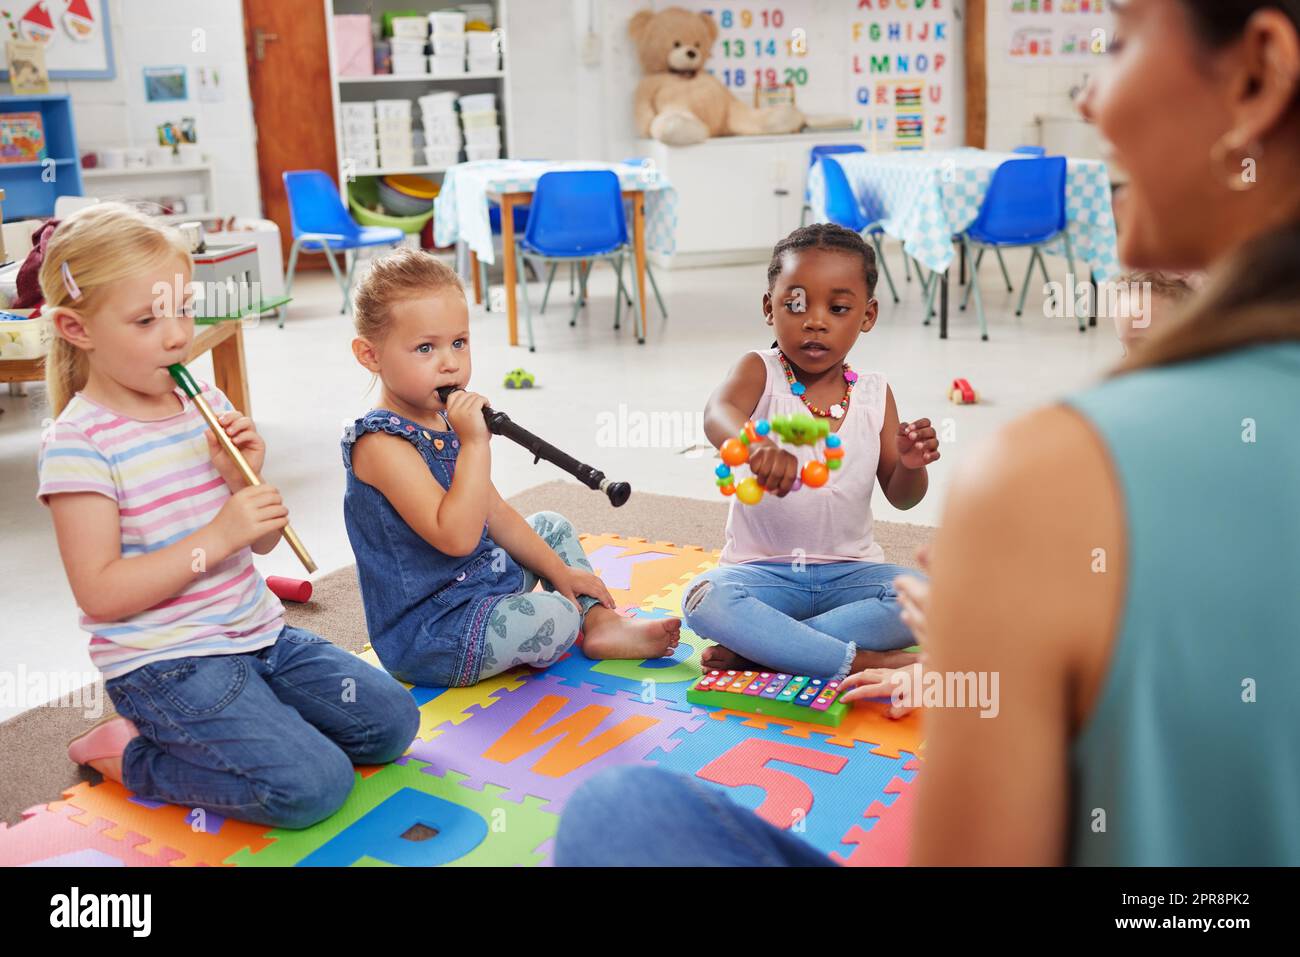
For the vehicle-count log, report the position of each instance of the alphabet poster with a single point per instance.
(1057, 31)
(892, 65)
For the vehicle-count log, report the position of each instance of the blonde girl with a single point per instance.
(220, 704)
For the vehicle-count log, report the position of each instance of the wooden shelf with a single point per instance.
(101, 173)
(419, 77)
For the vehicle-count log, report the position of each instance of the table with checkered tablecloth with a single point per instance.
(925, 198)
(461, 211)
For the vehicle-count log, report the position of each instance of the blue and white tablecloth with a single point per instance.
(460, 213)
(924, 198)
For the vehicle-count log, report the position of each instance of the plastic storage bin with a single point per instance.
(472, 118)
(447, 65)
(482, 152)
(483, 136)
(445, 22)
(412, 28)
(478, 102)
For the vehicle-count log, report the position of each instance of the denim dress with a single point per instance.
(427, 613)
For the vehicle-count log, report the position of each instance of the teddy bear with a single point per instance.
(677, 101)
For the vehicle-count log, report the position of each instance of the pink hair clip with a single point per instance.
(71, 284)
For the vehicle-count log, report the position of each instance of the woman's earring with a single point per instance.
(1243, 160)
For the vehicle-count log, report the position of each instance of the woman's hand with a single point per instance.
(573, 582)
(918, 445)
(914, 597)
(241, 432)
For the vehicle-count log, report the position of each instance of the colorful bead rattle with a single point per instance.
(794, 429)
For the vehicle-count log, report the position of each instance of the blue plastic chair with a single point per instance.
(843, 208)
(815, 154)
(1024, 206)
(577, 216)
(321, 223)
(1030, 150)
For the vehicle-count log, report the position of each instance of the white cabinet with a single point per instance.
(737, 196)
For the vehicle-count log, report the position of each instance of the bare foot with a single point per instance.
(718, 658)
(607, 634)
(111, 768)
(883, 659)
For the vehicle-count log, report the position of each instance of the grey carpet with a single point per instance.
(33, 746)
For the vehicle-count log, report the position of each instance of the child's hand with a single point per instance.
(244, 435)
(251, 513)
(465, 412)
(918, 446)
(883, 683)
(573, 582)
(774, 468)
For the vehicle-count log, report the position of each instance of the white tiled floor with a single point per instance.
(305, 384)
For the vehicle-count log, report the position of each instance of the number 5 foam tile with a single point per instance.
(633, 568)
(547, 738)
(866, 722)
(812, 788)
(472, 828)
(163, 826)
(887, 842)
(648, 680)
(50, 837)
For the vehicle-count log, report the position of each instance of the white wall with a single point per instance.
(114, 113)
(1020, 92)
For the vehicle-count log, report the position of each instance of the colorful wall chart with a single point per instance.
(75, 33)
(1057, 31)
(892, 64)
(901, 69)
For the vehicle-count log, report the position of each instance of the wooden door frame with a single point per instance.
(975, 59)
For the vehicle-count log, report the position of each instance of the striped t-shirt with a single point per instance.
(160, 474)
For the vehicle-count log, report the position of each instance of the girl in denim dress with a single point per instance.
(447, 568)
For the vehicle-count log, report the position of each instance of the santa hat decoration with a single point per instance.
(79, 21)
(36, 25)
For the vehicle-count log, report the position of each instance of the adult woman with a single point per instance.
(1125, 561)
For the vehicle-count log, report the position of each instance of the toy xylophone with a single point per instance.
(797, 697)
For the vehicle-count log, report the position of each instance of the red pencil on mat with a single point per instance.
(289, 589)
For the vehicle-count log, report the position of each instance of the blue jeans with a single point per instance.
(647, 817)
(806, 621)
(268, 737)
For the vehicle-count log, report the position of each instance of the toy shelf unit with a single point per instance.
(33, 186)
(429, 55)
(191, 183)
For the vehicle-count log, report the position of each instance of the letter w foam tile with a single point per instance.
(472, 828)
(889, 839)
(48, 837)
(813, 788)
(865, 722)
(546, 738)
(649, 679)
(163, 826)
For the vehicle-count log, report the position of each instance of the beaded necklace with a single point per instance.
(836, 411)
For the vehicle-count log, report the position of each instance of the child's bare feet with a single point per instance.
(607, 634)
(883, 659)
(103, 745)
(718, 658)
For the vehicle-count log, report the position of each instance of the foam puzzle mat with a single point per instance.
(490, 770)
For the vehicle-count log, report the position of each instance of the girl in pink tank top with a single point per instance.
(802, 587)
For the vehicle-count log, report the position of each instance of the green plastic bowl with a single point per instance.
(363, 195)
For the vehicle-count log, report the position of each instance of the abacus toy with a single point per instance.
(793, 429)
(796, 697)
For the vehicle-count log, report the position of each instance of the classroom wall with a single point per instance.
(114, 113)
(1020, 92)
(564, 109)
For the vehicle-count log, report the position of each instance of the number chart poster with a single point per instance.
(889, 64)
(1057, 31)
